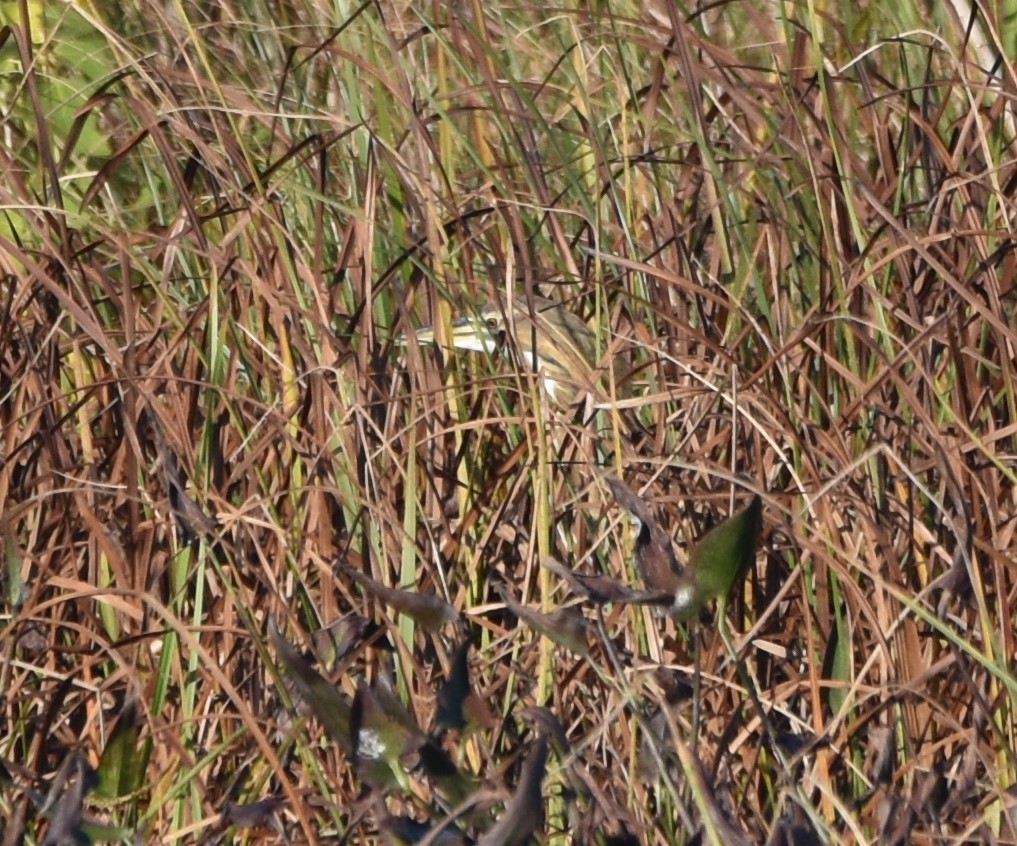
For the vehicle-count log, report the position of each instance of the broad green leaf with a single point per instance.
(719, 558)
(123, 763)
(837, 660)
(379, 740)
(96, 832)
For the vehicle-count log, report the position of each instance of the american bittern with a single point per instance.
(551, 340)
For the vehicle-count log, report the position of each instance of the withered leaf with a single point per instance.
(654, 553)
(330, 706)
(65, 803)
(427, 609)
(250, 814)
(524, 814)
(452, 694)
(408, 830)
(191, 521)
(565, 626)
(602, 590)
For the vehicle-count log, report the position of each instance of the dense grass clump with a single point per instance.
(273, 571)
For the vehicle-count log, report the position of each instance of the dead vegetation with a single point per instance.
(216, 233)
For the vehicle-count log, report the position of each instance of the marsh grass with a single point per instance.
(218, 228)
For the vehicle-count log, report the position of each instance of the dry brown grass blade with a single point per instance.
(602, 590)
(524, 814)
(801, 246)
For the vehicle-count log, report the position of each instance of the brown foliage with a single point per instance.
(804, 254)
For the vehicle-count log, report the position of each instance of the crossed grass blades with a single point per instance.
(387, 747)
(792, 228)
